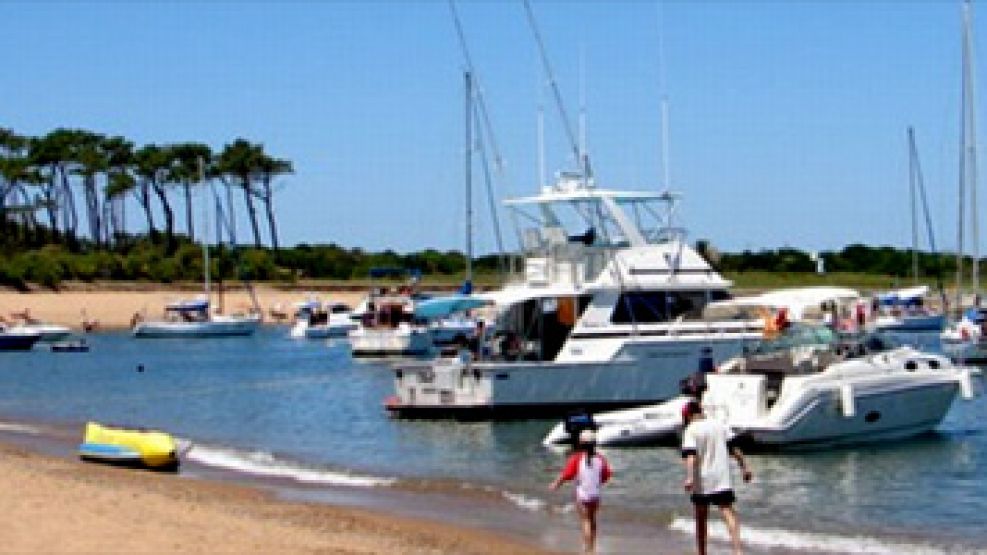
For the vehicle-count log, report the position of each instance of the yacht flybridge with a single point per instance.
(607, 311)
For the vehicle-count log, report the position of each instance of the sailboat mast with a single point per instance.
(911, 198)
(665, 166)
(970, 93)
(205, 230)
(468, 79)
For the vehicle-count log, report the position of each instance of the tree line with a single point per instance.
(69, 187)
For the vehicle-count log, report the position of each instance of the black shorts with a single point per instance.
(723, 498)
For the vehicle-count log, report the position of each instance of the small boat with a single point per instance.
(120, 446)
(903, 310)
(13, 339)
(47, 332)
(313, 320)
(73, 346)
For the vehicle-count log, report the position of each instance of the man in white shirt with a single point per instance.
(706, 448)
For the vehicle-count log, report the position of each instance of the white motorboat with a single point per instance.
(48, 333)
(193, 319)
(313, 320)
(647, 425)
(612, 317)
(13, 339)
(964, 340)
(800, 391)
(386, 323)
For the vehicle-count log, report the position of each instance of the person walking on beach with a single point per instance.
(706, 448)
(590, 470)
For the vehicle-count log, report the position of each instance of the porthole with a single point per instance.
(872, 416)
(911, 365)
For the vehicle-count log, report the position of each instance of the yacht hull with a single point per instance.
(641, 373)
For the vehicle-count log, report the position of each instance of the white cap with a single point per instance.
(587, 436)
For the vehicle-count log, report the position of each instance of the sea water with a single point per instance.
(305, 411)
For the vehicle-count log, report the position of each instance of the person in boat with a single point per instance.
(590, 470)
(707, 446)
(477, 342)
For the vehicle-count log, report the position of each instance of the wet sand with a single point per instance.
(113, 308)
(53, 504)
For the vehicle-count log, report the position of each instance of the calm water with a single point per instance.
(305, 409)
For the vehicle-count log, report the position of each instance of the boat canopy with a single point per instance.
(194, 305)
(441, 307)
(800, 302)
(910, 296)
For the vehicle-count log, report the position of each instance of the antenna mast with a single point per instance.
(665, 167)
(582, 159)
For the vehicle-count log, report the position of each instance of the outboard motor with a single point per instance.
(576, 422)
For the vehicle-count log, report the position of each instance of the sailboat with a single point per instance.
(965, 339)
(192, 318)
(408, 323)
(903, 310)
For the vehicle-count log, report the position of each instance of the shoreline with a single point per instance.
(66, 505)
(423, 519)
(114, 307)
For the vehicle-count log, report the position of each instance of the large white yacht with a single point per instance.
(606, 312)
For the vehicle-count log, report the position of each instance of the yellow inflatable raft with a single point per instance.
(143, 448)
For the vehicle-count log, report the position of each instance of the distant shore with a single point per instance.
(113, 305)
(58, 505)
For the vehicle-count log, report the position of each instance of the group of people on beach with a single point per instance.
(707, 446)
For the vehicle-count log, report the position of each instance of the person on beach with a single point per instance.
(590, 470)
(706, 449)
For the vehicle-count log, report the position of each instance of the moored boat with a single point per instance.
(12, 339)
(610, 317)
(193, 319)
(801, 390)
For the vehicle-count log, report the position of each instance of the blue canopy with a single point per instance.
(444, 306)
(196, 305)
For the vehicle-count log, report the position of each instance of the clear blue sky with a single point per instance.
(787, 118)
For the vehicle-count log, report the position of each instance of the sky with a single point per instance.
(787, 119)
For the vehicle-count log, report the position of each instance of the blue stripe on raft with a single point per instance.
(107, 451)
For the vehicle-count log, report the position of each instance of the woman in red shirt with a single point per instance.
(590, 470)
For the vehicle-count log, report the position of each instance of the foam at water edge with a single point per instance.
(260, 463)
(19, 428)
(524, 501)
(791, 539)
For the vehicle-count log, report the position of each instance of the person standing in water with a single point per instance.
(706, 448)
(590, 470)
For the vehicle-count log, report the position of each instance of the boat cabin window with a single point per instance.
(536, 329)
(650, 307)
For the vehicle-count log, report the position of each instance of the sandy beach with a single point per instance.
(58, 505)
(113, 307)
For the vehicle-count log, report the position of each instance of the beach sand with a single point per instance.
(52, 504)
(113, 307)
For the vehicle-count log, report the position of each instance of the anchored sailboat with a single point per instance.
(192, 318)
